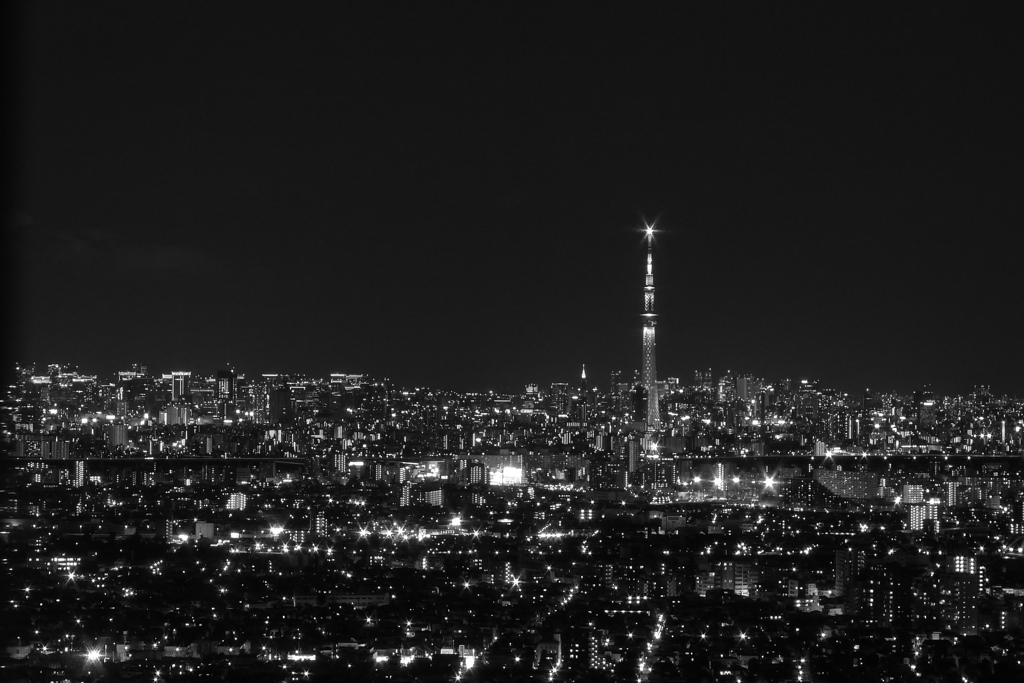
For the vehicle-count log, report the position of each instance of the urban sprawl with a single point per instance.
(178, 527)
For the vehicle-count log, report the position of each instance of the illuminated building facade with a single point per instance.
(924, 516)
(179, 385)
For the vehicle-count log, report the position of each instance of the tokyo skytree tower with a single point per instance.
(649, 374)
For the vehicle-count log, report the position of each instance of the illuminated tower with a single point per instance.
(649, 374)
(584, 396)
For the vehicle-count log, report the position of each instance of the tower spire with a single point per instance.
(649, 374)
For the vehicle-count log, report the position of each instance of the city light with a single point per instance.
(558, 521)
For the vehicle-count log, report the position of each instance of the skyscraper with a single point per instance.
(649, 374)
(225, 389)
(179, 385)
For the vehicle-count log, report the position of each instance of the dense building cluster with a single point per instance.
(184, 527)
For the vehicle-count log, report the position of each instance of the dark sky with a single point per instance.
(450, 194)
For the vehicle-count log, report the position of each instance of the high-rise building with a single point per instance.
(850, 562)
(225, 390)
(340, 462)
(649, 373)
(318, 522)
(924, 516)
(702, 380)
(117, 436)
(560, 397)
(1017, 514)
(912, 493)
(960, 584)
(175, 414)
(237, 501)
(432, 496)
(951, 497)
(280, 405)
(726, 387)
(180, 385)
(742, 578)
(54, 448)
(81, 474)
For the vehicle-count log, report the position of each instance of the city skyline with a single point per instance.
(350, 190)
(601, 386)
(332, 343)
(297, 529)
(646, 374)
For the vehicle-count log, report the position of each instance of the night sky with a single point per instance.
(451, 194)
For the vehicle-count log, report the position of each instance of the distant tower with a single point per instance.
(584, 396)
(649, 374)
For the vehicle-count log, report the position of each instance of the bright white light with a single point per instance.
(456, 521)
(276, 530)
(92, 655)
(507, 476)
